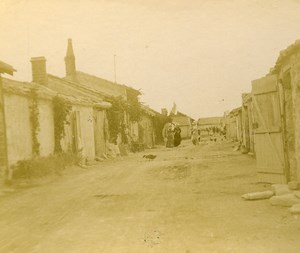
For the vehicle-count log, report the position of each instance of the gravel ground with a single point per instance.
(187, 200)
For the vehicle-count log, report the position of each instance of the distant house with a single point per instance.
(209, 122)
(233, 124)
(146, 127)
(184, 122)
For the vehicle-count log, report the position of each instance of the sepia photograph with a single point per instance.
(149, 126)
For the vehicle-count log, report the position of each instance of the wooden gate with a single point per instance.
(269, 145)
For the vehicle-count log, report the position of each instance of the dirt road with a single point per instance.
(187, 200)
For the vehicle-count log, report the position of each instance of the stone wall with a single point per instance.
(295, 83)
(46, 133)
(147, 124)
(289, 74)
(18, 127)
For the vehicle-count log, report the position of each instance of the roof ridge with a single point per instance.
(111, 82)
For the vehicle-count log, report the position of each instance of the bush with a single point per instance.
(42, 166)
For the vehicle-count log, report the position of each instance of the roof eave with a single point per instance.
(6, 68)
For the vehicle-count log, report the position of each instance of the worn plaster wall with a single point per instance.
(134, 131)
(46, 133)
(68, 138)
(185, 132)
(18, 129)
(147, 125)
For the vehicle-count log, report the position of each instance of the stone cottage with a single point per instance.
(102, 88)
(87, 129)
(18, 108)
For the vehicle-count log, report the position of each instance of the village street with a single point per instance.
(186, 200)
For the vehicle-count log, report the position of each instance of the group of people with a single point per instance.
(172, 135)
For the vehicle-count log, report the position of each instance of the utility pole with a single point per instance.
(115, 68)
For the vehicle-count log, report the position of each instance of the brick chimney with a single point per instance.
(39, 72)
(70, 61)
(164, 111)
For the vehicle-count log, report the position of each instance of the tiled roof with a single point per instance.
(146, 109)
(210, 120)
(246, 97)
(75, 89)
(24, 89)
(182, 120)
(236, 110)
(108, 88)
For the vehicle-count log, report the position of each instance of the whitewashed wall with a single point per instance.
(18, 129)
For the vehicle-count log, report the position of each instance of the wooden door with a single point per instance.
(269, 146)
(99, 120)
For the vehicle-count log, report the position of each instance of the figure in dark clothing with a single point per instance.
(170, 138)
(177, 136)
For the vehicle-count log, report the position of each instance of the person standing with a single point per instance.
(177, 136)
(195, 135)
(170, 136)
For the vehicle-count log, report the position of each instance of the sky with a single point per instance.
(200, 54)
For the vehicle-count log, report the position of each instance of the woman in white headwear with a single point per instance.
(168, 134)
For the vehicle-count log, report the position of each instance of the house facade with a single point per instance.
(184, 122)
(233, 124)
(210, 122)
(4, 69)
(18, 108)
(146, 126)
(109, 91)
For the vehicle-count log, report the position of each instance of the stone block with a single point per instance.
(284, 200)
(258, 195)
(280, 189)
(295, 209)
(294, 185)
